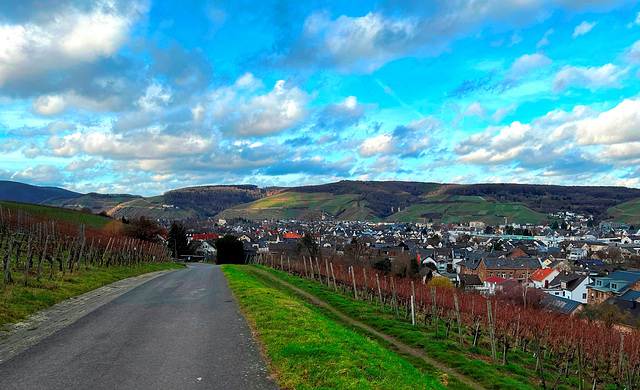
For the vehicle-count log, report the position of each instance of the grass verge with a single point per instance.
(17, 301)
(308, 350)
(477, 366)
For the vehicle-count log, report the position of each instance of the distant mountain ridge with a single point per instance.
(27, 193)
(391, 201)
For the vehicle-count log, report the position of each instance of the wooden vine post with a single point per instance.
(434, 309)
(379, 291)
(413, 304)
(394, 301)
(492, 335)
(335, 285)
(455, 303)
(326, 264)
(353, 277)
(366, 292)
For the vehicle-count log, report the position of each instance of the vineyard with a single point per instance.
(568, 351)
(39, 253)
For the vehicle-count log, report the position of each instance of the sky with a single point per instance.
(141, 96)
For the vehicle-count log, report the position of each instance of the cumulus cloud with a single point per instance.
(369, 41)
(239, 116)
(405, 141)
(69, 35)
(582, 29)
(41, 174)
(560, 143)
(340, 115)
(592, 78)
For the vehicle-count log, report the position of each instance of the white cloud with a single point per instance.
(280, 109)
(81, 165)
(633, 54)
(582, 29)
(41, 174)
(618, 125)
(593, 78)
(545, 39)
(636, 22)
(381, 144)
(49, 105)
(67, 37)
(528, 62)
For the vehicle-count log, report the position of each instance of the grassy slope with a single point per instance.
(628, 212)
(288, 205)
(95, 202)
(310, 351)
(472, 362)
(149, 207)
(58, 214)
(466, 209)
(17, 301)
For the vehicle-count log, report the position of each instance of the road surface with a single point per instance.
(182, 330)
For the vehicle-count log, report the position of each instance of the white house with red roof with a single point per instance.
(543, 276)
(491, 283)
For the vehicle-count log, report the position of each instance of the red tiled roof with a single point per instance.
(292, 235)
(541, 274)
(495, 279)
(202, 237)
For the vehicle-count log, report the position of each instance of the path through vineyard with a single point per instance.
(401, 346)
(181, 330)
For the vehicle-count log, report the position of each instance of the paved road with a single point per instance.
(182, 330)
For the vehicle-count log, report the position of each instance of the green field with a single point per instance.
(307, 350)
(57, 214)
(299, 205)
(628, 212)
(464, 209)
(152, 207)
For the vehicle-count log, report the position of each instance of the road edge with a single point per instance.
(43, 323)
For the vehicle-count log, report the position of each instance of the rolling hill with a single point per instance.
(390, 201)
(20, 192)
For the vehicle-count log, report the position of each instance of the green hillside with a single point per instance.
(58, 214)
(153, 207)
(95, 202)
(461, 208)
(628, 212)
(297, 205)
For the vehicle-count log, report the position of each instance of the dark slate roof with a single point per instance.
(515, 263)
(470, 280)
(559, 304)
(572, 280)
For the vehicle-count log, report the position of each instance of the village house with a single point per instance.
(613, 285)
(569, 285)
(486, 267)
(543, 276)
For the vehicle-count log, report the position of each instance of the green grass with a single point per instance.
(58, 214)
(17, 301)
(465, 209)
(307, 350)
(628, 212)
(294, 205)
(445, 350)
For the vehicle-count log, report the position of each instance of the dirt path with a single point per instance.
(398, 344)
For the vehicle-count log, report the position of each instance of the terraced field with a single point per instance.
(466, 209)
(298, 205)
(57, 214)
(153, 207)
(628, 212)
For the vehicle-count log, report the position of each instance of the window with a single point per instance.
(490, 273)
(584, 295)
(510, 275)
(614, 286)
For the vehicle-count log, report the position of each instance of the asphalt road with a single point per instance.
(182, 330)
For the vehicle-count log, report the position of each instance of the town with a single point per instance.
(569, 263)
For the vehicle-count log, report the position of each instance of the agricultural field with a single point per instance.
(95, 202)
(496, 343)
(153, 207)
(299, 205)
(628, 212)
(55, 213)
(464, 209)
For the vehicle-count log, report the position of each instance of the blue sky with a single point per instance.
(146, 96)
